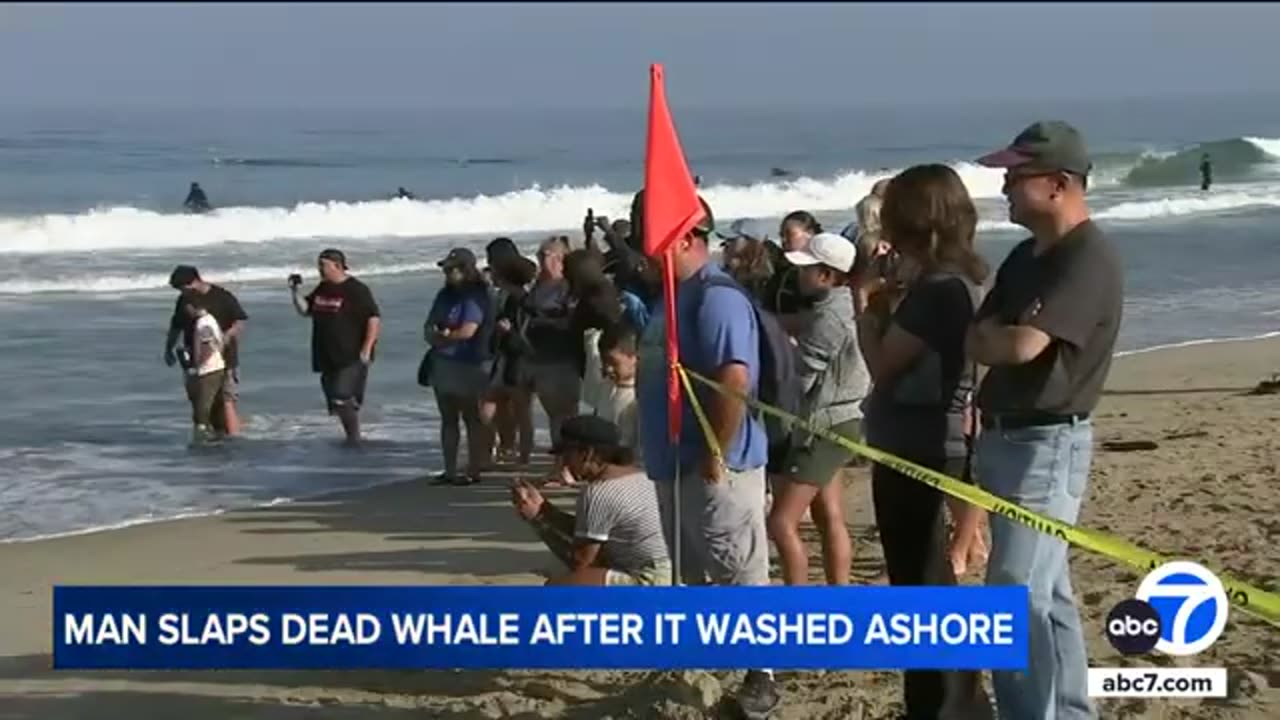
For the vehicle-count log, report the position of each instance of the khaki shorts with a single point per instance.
(205, 391)
(818, 462)
(722, 532)
(657, 574)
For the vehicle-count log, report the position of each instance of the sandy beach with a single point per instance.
(1209, 491)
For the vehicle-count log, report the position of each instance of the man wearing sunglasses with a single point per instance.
(1047, 331)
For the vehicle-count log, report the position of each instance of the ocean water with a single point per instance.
(90, 225)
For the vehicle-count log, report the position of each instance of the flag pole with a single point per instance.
(669, 285)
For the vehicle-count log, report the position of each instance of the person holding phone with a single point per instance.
(345, 322)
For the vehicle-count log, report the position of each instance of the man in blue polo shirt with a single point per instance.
(722, 516)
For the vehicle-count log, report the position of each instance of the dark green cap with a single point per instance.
(1048, 145)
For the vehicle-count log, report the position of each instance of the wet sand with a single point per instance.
(1209, 491)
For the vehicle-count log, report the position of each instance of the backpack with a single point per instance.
(779, 385)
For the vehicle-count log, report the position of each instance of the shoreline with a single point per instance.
(1207, 492)
(216, 512)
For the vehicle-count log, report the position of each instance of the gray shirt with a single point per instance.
(832, 371)
(622, 513)
(1074, 293)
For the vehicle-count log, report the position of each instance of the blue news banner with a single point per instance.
(536, 627)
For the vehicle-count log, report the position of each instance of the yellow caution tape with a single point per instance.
(1257, 602)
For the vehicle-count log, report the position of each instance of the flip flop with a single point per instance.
(443, 479)
(465, 480)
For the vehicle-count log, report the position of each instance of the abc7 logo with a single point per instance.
(1180, 609)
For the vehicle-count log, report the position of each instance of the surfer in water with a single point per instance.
(402, 194)
(1206, 172)
(196, 201)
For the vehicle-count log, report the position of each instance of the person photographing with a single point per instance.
(345, 322)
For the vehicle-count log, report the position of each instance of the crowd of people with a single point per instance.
(890, 331)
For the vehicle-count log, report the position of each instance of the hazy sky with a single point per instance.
(582, 55)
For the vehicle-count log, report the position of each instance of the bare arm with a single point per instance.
(586, 553)
(371, 329)
(299, 303)
(171, 339)
(886, 354)
(991, 344)
(233, 332)
(725, 411)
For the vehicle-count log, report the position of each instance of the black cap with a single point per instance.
(182, 276)
(706, 226)
(458, 257)
(1049, 145)
(588, 431)
(334, 255)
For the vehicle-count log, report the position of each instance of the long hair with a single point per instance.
(804, 219)
(929, 216)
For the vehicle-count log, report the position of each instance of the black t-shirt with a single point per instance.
(1079, 287)
(224, 307)
(921, 411)
(340, 315)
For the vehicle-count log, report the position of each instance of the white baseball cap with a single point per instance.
(828, 249)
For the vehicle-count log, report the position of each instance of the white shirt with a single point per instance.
(207, 334)
(601, 396)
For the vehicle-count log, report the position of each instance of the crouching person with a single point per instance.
(614, 537)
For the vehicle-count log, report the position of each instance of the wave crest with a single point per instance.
(533, 209)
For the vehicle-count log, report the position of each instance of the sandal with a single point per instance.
(465, 480)
(443, 479)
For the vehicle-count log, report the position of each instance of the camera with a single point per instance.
(295, 280)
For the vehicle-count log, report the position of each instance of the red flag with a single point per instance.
(671, 206)
(671, 209)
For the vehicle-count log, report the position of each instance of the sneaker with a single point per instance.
(758, 695)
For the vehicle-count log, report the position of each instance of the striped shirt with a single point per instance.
(622, 513)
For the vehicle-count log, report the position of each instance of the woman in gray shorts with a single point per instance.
(458, 329)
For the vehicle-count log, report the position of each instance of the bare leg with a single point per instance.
(231, 417)
(558, 394)
(505, 423)
(450, 434)
(350, 419)
(790, 500)
(479, 439)
(827, 510)
(521, 406)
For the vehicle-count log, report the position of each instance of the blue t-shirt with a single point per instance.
(719, 330)
(453, 308)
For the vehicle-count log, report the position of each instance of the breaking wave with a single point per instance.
(533, 209)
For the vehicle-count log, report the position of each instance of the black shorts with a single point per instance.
(345, 387)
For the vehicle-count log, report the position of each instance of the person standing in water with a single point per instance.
(1206, 172)
(231, 317)
(345, 322)
(196, 200)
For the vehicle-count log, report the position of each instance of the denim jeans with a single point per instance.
(1045, 469)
